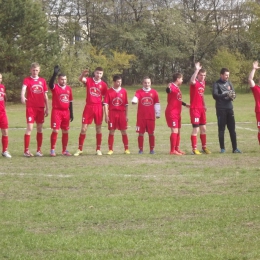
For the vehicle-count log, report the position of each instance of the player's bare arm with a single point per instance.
(84, 74)
(23, 98)
(46, 112)
(194, 76)
(252, 74)
(106, 113)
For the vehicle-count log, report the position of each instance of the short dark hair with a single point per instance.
(176, 76)
(99, 69)
(146, 77)
(116, 77)
(223, 71)
(61, 75)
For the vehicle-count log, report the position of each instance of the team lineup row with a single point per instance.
(112, 103)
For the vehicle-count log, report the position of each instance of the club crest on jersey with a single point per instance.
(36, 89)
(117, 102)
(147, 101)
(95, 92)
(64, 98)
(179, 96)
(201, 91)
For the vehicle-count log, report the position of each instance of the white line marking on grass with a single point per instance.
(245, 128)
(30, 174)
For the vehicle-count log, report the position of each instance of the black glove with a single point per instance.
(56, 70)
(71, 117)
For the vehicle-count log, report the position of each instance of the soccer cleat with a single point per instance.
(179, 151)
(78, 152)
(206, 150)
(140, 152)
(127, 151)
(237, 151)
(52, 153)
(39, 154)
(175, 152)
(28, 154)
(6, 154)
(222, 150)
(110, 152)
(152, 152)
(98, 152)
(66, 153)
(196, 152)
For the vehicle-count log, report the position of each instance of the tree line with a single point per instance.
(133, 38)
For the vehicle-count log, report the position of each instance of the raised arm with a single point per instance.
(52, 79)
(83, 75)
(252, 74)
(194, 76)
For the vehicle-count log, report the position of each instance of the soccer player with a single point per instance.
(223, 92)
(3, 120)
(198, 109)
(116, 113)
(148, 108)
(95, 92)
(62, 110)
(34, 95)
(256, 92)
(173, 112)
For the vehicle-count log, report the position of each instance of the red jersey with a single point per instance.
(146, 102)
(256, 93)
(95, 91)
(197, 94)
(61, 97)
(116, 99)
(2, 98)
(35, 91)
(174, 99)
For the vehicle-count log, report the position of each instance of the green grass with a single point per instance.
(132, 206)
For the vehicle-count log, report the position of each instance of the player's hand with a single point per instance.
(85, 72)
(106, 119)
(198, 66)
(187, 105)
(56, 70)
(23, 100)
(71, 118)
(232, 94)
(255, 65)
(205, 108)
(46, 112)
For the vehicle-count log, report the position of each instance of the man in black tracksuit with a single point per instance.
(223, 92)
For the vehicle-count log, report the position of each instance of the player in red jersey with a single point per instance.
(3, 120)
(198, 109)
(95, 91)
(148, 109)
(173, 112)
(256, 92)
(62, 110)
(34, 95)
(116, 113)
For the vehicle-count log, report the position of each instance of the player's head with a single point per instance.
(201, 75)
(98, 73)
(117, 81)
(1, 78)
(62, 79)
(177, 78)
(35, 69)
(147, 82)
(224, 74)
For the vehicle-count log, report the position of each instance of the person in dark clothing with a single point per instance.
(223, 92)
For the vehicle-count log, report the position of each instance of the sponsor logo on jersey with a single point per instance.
(64, 98)
(147, 101)
(117, 102)
(179, 96)
(201, 91)
(36, 89)
(95, 92)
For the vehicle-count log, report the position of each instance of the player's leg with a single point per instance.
(111, 141)
(222, 121)
(231, 125)
(150, 127)
(203, 138)
(39, 119)
(140, 129)
(177, 145)
(122, 126)
(258, 125)
(194, 118)
(54, 136)
(65, 125)
(125, 141)
(174, 140)
(5, 152)
(98, 118)
(30, 117)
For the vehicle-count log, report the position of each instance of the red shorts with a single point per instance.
(145, 125)
(173, 120)
(35, 114)
(60, 119)
(3, 120)
(257, 115)
(92, 112)
(197, 116)
(117, 120)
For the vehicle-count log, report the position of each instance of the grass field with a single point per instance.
(132, 206)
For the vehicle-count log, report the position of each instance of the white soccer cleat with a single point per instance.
(39, 154)
(6, 154)
(98, 152)
(78, 152)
